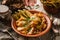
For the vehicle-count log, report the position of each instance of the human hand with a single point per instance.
(29, 2)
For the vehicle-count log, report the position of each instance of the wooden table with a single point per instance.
(5, 24)
(4, 36)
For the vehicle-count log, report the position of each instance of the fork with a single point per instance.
(7, 31)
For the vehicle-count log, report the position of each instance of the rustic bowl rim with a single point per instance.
(37, 35)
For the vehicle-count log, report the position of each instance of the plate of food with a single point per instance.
(30, 23)
(51, 6)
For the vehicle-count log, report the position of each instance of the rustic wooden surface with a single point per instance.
(5, 36)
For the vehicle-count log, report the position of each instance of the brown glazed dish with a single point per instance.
(13, 24)
(51, 9)
(51, 6)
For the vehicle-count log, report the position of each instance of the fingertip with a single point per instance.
(35, 1)
(33, 4)
(26, 2)
(30, 4)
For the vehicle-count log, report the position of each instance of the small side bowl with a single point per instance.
(13, 24)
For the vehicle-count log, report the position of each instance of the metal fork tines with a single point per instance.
(6, 29)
